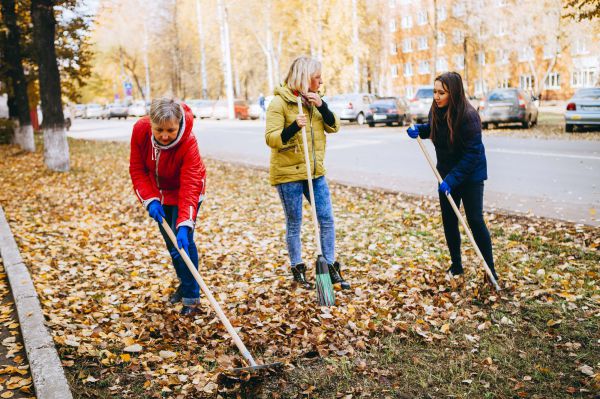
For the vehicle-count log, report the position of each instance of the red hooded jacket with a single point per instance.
(174, 174)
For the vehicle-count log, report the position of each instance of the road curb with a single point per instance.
(46, 369)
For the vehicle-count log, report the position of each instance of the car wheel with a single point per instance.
(360, 119)
(371, 125)
(485, 125)
(527, 124)
(569, 128)
(401, 121)
(238, 116)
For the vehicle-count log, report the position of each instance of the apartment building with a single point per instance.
(491, 43)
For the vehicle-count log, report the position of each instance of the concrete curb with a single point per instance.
(46, 369)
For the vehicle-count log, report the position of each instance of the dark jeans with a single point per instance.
(190, 290)
(471, 195)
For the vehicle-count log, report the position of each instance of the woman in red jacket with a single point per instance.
(168, 177)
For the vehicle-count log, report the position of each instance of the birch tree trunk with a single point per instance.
(203, 73)
(355, 46)
(24, 133)
(56, 146)
(226, 51)
(435, 42)
(147, 94)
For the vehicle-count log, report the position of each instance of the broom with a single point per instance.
(325, 292)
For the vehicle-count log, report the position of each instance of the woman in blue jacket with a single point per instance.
(455, 129)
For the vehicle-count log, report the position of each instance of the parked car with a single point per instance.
(66, 115)
(420, 104)
(254, 111)
(351, 107)
(93, 111)
(511, 105)
(115, 110)
(201, 108)
(79, 111)
(583, 109)
(138, 108)
(388, 110)
(240, 109)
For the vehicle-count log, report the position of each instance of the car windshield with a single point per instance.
(384, 103)
(502, 96)
(424, 93)
(588, 94)
(338, 98)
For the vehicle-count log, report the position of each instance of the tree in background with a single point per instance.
(56, 147)
(583, 9)
(18, 85)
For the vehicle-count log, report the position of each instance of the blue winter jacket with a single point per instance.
(464, 162)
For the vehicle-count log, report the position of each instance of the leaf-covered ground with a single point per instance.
(404, 330)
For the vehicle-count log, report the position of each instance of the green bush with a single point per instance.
(7, 129)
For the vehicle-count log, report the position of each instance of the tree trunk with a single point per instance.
(56, 147)
(435, 42)
(226, 52)
(146, 93)
(203, 73)
(355, 46)
(24, 132)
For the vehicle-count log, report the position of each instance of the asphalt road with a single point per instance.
(550, 178)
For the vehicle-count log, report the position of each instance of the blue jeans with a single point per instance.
(291, 198)
(189, 288)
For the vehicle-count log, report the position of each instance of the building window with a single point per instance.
(549, 51)
(480, 87)
(458, 9)
(441, 39)
(441, 65)
(407, 45)
(501, 3)
(501, 28)
(393, 25)
(503, 83)
(458, 36)
(552, 81)
(502, 57)
(423, 67)
(406, 22)
(409, 91)
(421, 18)
(526, 82)
(459, 62)
(394, 71)
(393, 48)
(584, 77)
(579, 46)
(441, 14)
(408, 69)
(525, 54)
(422, 43)
(480, 58)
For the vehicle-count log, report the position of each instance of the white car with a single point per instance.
(352, 106)
(201, 108)
(92, 111)
(138, 108)
(420, 104)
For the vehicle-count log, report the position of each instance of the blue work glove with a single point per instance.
(182, 238)
(444, 188)
(156, 211)
(413, 131)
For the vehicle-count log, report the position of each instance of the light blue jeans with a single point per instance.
(291, 198)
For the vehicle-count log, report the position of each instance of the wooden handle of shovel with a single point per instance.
(459, 215)
(215, 305)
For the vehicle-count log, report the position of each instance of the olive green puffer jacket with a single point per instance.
(287, 160)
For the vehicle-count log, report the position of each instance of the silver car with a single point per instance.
(351, 107)
(509, 105)
(92, 111)
(583, 109)
(420, 104)
(201, 108)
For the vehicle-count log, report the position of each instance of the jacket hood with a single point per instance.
(185, 129)
(286, 93)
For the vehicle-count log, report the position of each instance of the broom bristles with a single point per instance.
(325, 291)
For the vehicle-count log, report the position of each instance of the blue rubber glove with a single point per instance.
(182, 238)
(444, 188)
(156, 211)
(413, 131)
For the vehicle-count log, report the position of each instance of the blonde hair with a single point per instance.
(165, 109)
(301, 71)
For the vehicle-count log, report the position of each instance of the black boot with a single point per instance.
(299, 272)
(336, 277)
(455, 270)
(176, 296)
(190, 311)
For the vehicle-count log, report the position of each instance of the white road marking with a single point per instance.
(542, 154)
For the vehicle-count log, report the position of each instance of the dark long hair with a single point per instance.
(457, 107)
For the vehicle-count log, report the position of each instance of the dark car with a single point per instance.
(510, 105)
(388, 110)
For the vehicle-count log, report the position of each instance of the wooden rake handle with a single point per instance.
(213, 302)
(313, 205)
(459, 215)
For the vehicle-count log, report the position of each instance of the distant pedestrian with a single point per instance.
(455, 129)
(288, 168)
(261, 104)
(168, 177)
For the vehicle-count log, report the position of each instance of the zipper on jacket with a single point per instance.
(156, 169)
